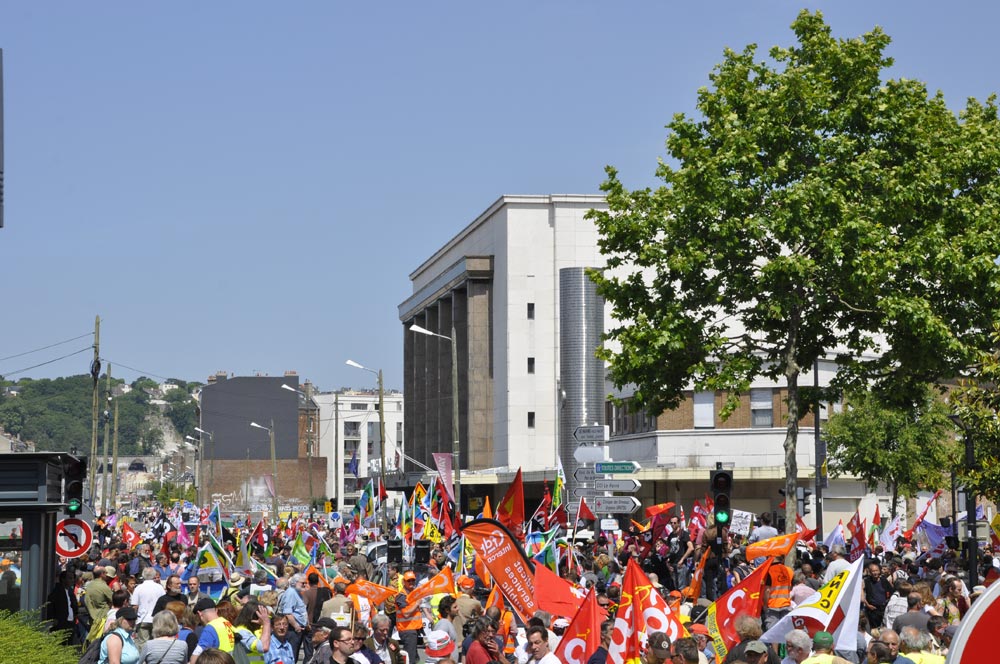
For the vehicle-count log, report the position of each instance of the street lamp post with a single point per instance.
(309, 437)
(381, 435)
(970, 502)
(211, 479)
(274, 467)
(199, 469)
(455, 451)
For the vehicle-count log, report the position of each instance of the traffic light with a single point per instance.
(801, 500)
(74, 474)
(722, 488)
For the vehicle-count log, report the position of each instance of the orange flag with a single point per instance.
(442, 582)
(487, 512)
(322, 577)
(510, 511)
(495, 599)
(374, 592)
(653, 510)
(642, 610)
(583, 636)
(693, 590)
(506, 561)
(772, 546)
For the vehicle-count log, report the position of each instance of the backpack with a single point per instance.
(92, 654)
(240, 653)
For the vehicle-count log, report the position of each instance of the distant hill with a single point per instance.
(55, 414)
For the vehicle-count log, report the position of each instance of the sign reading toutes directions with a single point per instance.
(615, 504)
(73, 537)
(616, 467)
(628, 486)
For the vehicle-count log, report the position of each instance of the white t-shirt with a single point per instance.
(144, 599)
(549, 658)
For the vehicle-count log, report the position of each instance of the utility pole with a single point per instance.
(95, 374)
(309, 440)
(246, 486)
(381, 445)
(820, 454)
(336, 449)
(104, 455)
(114, 464)
(274, 472)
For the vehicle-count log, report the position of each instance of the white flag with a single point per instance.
(835, 537)
(834, 608)
(890, 533)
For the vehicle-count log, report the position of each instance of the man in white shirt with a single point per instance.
(144, 599)
(538, 646)
(838, 564)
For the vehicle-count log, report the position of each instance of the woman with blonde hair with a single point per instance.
(118, 646)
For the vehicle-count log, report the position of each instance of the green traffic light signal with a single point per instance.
(74, 507)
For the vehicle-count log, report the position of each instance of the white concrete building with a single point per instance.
(496, 289)
(349, 422)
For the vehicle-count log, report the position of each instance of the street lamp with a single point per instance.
(274, 467)
(970, 501)
(211, 479)
(454, 407)
(381, 435)
(309, 437)
(199, 468)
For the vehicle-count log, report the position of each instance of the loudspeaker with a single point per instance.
(422, 552)
(394, 553)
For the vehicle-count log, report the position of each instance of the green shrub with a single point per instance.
(24, 638)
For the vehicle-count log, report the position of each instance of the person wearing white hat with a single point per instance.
(439, 645)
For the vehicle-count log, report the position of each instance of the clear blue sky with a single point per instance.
(245, 186)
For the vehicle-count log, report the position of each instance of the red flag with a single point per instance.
(745, 597)
(909, 532)
(805, 534)
(555, 594)
(510, 511)
(585, 513)
(129, 536)
(693, 590)
(876, 520)
(542, 513)
(583, 636)
(558, 516)
(858, 540)
(709, 504)
(653, 510)
(642, 610)
(854, 525)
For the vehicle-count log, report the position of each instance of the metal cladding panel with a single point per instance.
(581, 373)
(228, 407)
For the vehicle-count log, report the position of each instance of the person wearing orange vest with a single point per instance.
(409, 619)
(777, 592)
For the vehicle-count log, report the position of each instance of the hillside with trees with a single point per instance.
(55, 414)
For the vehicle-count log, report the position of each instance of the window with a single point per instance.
(704, 410)
(761, 407)
(531, 311)
(352, 429)
(359, 406)
(531, 365)
(531, 419)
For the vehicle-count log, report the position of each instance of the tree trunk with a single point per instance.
(895, 499)
(792, 371)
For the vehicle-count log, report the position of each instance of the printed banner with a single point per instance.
(506, 561)
(745, 597)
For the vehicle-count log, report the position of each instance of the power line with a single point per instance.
(58, 343)
(138, 371)
(42, 364)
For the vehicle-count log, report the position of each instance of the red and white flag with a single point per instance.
(129, 536)
(583, 636)
(642, 610)
(746, 597)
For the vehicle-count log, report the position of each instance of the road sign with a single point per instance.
(610, 467)
(73, 537)
(584, 492)
(615, 504)
(597, 433)
(628, 485)
(584, 475)
(590, 453)
(609, 524)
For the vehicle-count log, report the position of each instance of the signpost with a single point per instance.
(73, 537)
(609, 524)
(597, 433)
(613, 467)
(628, 485)
(616, 504)
(584, 475)
(584, 492)
(590, 453)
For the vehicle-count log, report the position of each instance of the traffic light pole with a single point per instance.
(820, 455)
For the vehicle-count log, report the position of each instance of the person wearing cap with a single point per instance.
(144, 599)
(217, 633)
(657, 648)
(322, 650)
(439, 645)
(823, 650)
(468, 606)
(409, 619)
(755, 652)
(699, 633)
(121, 650)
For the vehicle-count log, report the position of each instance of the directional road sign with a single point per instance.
(584, 492)
(628, 486)
(597, 433)
(73, 537)
(584, 475)
(609, 524)
(610, 467)
(590, 453)
(615, 504)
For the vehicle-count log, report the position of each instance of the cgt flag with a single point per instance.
(642, 610)
(745, 597)
(506, 561)
(583, 636)
(129, 536)
(834, 608)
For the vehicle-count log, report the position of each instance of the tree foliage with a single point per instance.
(812, 210)
(908, 448)
(977, 403)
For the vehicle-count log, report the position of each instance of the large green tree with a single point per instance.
(812, 210)
(977, 403)
(907, 447)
